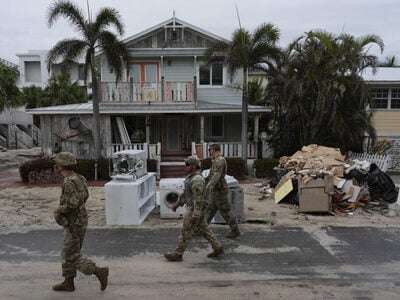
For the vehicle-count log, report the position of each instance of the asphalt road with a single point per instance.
(324, 263)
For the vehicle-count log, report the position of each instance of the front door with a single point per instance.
(173, 142)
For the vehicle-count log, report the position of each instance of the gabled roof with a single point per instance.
(168, 22)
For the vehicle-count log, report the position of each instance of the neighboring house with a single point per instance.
(33, 70)
(385, 89)
(169, 98)
(16, 126)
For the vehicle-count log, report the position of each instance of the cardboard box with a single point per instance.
(315, 195)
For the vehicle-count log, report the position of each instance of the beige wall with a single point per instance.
(387, 122)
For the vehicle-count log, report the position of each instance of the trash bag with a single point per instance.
(381, 186)
(275, 181)
(357, 175)
(293, 196)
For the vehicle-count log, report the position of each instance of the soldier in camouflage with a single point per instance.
(217, 192)
(193, 196)
(71, 214)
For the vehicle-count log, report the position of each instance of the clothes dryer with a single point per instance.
(170, 189)
(235, 198)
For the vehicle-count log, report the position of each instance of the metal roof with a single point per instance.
(388, 75)
(149, 108)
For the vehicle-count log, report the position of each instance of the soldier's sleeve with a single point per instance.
(198, 196)
(218, 168)
(69, 198)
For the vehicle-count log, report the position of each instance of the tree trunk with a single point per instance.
(96, 117)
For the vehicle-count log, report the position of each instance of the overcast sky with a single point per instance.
(23, 24)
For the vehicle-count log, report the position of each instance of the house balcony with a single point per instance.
(161, 91)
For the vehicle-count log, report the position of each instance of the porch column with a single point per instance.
(201, 129)
(148, 126)
(256, 132)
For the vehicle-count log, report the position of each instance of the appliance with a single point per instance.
(235, 198)
(129, 202)
(129, 164)
(170, 189)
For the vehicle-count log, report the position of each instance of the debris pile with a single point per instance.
(321, 179)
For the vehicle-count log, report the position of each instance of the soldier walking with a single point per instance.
(217, 192)
(193, 196)
(71, 214)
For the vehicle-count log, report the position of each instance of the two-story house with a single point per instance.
(168, 97)
(16, 126)
(385, 90)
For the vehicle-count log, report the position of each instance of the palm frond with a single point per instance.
(109, 17)
(66, 9)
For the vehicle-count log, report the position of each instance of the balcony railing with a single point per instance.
(161, 91)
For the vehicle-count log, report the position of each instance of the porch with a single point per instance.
(167, 166)
(160, 91)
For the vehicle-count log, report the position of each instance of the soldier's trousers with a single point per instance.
(71, 256)
(218, 201)
(187, 231)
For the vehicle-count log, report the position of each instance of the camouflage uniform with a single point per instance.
(72, 215)
(72, 208)
(194, 199)
(217, 193)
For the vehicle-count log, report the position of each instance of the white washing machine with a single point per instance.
(170, 189)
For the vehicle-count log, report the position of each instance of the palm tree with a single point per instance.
(95, 36)
(60, 90)
(246, 50)
(9, 91)
(390, 61)
(318, 95)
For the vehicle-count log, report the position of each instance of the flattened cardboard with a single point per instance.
(283, 190)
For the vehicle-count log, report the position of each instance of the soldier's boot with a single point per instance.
(102, 276)
(216, 252)
(173, 256)
(66, 286)
(233, 234)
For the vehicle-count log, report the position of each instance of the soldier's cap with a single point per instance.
(215, 147)
(64, 159)
(193, 160)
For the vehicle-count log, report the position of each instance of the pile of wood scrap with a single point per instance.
(314, 162)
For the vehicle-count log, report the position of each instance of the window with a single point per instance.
(386, 98)
(81, 72)
(216, 126)
(380, 98)
(395, 99)
(211, 75)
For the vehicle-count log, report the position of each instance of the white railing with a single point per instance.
(153, 151)
(227, 149)
(160, 91)
(382, 161)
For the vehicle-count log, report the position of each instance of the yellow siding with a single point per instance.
(387, 122)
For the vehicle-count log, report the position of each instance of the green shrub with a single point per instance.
(264, 167)
(34, 165)
(84, 167)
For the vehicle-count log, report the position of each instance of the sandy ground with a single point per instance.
(148, 276)
(30, 207)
